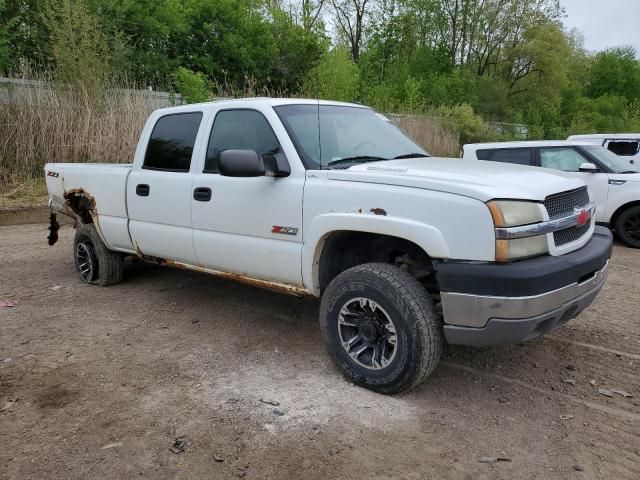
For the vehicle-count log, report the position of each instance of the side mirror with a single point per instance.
(241, 163)
(588, 167)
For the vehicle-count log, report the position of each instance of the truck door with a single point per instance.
(569, 160)
(159, 190)
(250, 226)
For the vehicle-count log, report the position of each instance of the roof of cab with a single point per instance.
(274, 102)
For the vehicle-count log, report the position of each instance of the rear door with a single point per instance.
(250, 226)
(568, 159)
(159, 190)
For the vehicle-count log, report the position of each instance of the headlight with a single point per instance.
(507, 250)
(513, 213)
(510, 213)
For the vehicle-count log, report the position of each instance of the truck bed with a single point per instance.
(103, 186)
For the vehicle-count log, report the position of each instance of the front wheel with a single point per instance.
(381, 328)
(94, 262)
(628, 227)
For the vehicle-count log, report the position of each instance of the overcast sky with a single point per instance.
(605, 23)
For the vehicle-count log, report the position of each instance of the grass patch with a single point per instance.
(28, 193)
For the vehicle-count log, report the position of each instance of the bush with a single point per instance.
(462, 119)
(335, 77)
(194, 87)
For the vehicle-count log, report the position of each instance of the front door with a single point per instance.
(249, 226)
(569, 160)
(159, 192)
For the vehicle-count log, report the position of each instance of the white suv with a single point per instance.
(625, 145)
(614, 184)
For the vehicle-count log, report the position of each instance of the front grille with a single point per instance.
(563, 204)
(568, 235)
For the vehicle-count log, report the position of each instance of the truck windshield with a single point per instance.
(615, 163)
(331, 136)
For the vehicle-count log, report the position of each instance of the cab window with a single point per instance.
(171, 143)
(240, 130)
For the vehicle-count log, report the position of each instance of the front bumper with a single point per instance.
(491, 304)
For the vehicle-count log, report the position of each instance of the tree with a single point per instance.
(615, 72)
(78, 44)
(350, 21)
(4, 43)
(336, 77)
(26, 35)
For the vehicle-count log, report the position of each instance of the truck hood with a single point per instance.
(480, 180)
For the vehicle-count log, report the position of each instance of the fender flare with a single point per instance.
(427, 237)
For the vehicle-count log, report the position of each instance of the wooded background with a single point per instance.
(464, 64)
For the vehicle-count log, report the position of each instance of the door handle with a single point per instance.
(202, 194)
(142, 190)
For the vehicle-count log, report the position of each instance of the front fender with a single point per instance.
(427, 237)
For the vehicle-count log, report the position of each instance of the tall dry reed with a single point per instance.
(40, 124)
(430, 134)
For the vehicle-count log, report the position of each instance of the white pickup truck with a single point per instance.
(331, 200)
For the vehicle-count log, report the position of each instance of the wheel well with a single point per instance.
(614, 217)
(346, 249)
(81, 204)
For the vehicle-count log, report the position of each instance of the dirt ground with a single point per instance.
(100, 382)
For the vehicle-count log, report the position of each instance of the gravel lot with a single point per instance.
(100, 382)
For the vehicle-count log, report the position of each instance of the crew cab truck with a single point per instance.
(614, 184)
(331, 200)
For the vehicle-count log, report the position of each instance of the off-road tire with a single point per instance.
(409, 306)
(107, 266)
(628, 219)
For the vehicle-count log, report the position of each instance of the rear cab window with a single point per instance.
(518, 156)
(171, 142)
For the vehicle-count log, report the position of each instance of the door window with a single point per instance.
(625, 148)
(519, 156)
(566, 159)
(240, 130)
(171, 143)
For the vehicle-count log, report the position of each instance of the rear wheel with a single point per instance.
(628, 227)
(381, 328)
(94, 262)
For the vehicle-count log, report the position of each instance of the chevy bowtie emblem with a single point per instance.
(284, 230)
(583, 217)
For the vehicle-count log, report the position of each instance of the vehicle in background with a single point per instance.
(614, 185)
(330, 200)
(625, 145)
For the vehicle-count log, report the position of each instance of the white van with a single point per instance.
(625, 145)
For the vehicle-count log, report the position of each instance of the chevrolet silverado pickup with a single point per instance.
(332, 200)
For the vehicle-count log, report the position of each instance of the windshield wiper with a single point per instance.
(629, 171)
(411, 155)
(355, 160)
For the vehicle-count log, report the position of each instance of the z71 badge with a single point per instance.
(284, 230)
